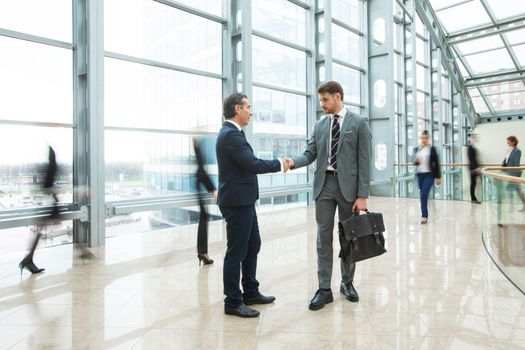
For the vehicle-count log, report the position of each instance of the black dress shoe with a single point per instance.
(260, 299)
(348, 290)
(321, 298)
(475, 201)
(242, 311)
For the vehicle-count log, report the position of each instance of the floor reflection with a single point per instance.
(435, 288)
(506, 245)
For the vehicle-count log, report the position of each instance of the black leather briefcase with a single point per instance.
(361, 237)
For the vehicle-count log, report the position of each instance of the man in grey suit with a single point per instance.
(341, 144)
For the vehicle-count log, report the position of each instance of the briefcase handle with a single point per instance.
(357, 213)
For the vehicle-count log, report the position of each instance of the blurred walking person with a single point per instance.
(203, 179)
(513, 159)
(428, 171)
(48, 185)
(474, 167)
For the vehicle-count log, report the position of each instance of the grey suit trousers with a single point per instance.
(328, 201)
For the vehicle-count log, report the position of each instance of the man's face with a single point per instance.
(244, 112)
(331, 103)
(424, 139)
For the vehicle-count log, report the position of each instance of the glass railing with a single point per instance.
(455, 182)
(504, 221)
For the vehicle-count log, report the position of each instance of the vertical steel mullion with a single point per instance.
(381, 116)
(413, 42)
(228, 50)
(365, 86)
(311, 82)
(80, 164)
(95, 121)
(88, 142)
(245, 67)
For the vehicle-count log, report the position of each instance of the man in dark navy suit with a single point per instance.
(238, 192)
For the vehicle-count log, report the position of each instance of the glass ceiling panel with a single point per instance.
(479, 105)
(474, 92)
(457, 18)
(516, 36)
(506, 87)
(505, 102)
(507, 8)
(519, 50)
(490, 61)
(438, 4)
(483, 44)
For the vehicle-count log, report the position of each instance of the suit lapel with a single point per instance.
(230, 125)
(325, 136)
(342, 133)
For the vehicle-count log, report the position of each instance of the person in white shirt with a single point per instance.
(428, 171)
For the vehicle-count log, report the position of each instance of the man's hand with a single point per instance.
(287, 163)
(215, 194)
(359, 204)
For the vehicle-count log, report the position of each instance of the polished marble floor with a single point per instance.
(435, 288)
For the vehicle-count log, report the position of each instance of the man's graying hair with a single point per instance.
(228, 107)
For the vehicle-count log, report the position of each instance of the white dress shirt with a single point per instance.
(508, 155)
(234, 123)
(423, 156)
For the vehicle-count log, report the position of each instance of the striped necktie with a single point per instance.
(335, 140)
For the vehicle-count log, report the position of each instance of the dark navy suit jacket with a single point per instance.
(238, 168)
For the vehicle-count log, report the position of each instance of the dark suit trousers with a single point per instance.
(202, 231)
(244, 243)
(473, 178)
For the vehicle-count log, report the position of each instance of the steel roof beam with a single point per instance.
(495, 78)
(487, 30)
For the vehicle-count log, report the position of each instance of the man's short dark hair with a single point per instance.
(228, 107)
(513, 139)
(424, 133)
(332, 87)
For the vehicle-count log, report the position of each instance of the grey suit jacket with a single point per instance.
(354, 155)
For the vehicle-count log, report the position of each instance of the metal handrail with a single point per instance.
(509, 178)
(453, 164)
(40, 215)
(187, 200)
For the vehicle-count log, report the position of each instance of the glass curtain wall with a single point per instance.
(164, 85)
(348, 45)
(163, 88)
(36, 110)
(425, 88)
(279, 73)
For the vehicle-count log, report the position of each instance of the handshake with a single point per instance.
(287, 163)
